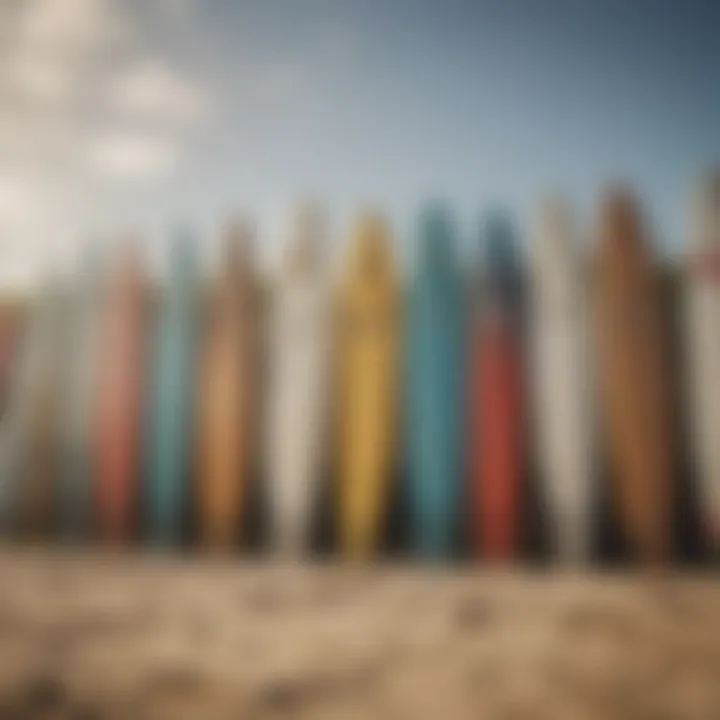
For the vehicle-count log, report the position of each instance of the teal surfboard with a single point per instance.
(169, 453)
(434, 418)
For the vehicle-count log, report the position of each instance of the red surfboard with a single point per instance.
(120, 401)
(496, 402)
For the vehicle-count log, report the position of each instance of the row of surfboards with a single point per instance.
(458, 378)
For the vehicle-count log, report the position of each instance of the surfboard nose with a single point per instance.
(435, 234)
(555, 251)
(500, 259)
(620, 219)
(498, 241)
(554, 229)
(128, 261)
(183, 253)
(237, 247)
(303, 252)
(705, 215)
(371, 254)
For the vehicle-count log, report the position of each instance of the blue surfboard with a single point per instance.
(169, 459)
(435, 388)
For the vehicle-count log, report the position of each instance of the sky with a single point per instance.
(141, 116)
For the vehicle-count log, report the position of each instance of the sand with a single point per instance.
(87, 635)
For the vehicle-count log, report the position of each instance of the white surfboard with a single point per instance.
(702, 335)
(15, 424)
(561, 380)
(79, 391)
(299, 327)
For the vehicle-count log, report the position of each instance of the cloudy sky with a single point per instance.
(140, 115)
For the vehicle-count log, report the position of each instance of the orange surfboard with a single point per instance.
(226, 396)
(633, 354)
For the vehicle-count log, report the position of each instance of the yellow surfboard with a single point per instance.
(368, 356)
(226, 397)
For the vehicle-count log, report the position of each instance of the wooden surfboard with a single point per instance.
(16, 323)
(562, 411)
(702, 326)
(298, 386)
(12, 315)
(120, 393)
(633, 353)
(368, 349)
(435, 368)
(170, 456)
(227, 395)
(30, 445)
(79, 397)
(498, 396)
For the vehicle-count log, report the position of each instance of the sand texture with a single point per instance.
(87, 636)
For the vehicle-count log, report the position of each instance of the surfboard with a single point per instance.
(14, 425)
(11, 323)
(435, 368)
(497, 422)
(170, 447)
(29, 444)
(368, 368)
(227, 395)
(120, 396)
(702, 336)
(561, 380)
(79, 393)
(299, 380)
(14, 334)
(632, 348)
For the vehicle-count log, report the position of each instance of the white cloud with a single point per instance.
(154, 89)
(71, 28)
(37, 78)
(55, 48)
(127, 156)
(81, 85)
(32, 139)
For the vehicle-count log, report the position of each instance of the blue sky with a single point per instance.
(141, 114)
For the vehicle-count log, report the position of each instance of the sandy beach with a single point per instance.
(87, 635)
